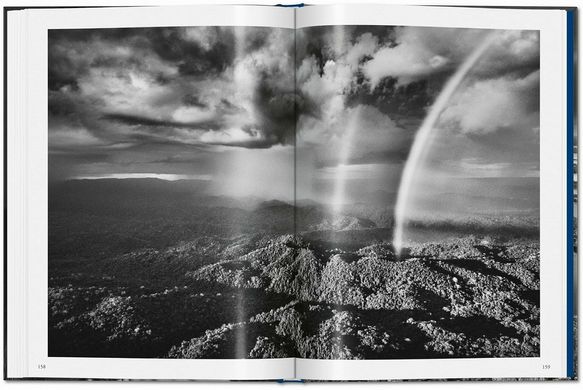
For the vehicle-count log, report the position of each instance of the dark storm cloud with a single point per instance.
(191, 58)
(276, 109)
(113, 89)
(410, 100)
(172, 45)
(148, 122)
(193, 100)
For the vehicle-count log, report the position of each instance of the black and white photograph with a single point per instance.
(418, 191)
(171, 174)
(335, 192)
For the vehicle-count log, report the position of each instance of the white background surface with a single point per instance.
(223, 385)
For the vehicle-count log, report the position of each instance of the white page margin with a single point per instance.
(39, 22)
(551, 24)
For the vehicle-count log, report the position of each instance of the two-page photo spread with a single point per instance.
(172, 227)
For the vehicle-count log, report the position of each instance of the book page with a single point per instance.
(429, 221)
(163, 148)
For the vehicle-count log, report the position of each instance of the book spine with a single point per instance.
(571, 194)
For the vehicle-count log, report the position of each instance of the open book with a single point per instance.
(324, 192)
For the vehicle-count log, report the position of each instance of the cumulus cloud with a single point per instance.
(495, 104)
(365, 90)
(421, 52)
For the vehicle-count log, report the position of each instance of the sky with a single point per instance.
(381, 81)
(206, 103)
(217, 104)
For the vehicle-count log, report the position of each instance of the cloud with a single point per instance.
(405, 62)
(365, 90)
(495, 104)
(401, 71)
(175, 97)
(134, 120)
(153, 100)
(236, 137)
(421, 52)
(132, 83)
(73, 137)
(325, 87)
(374, 138)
